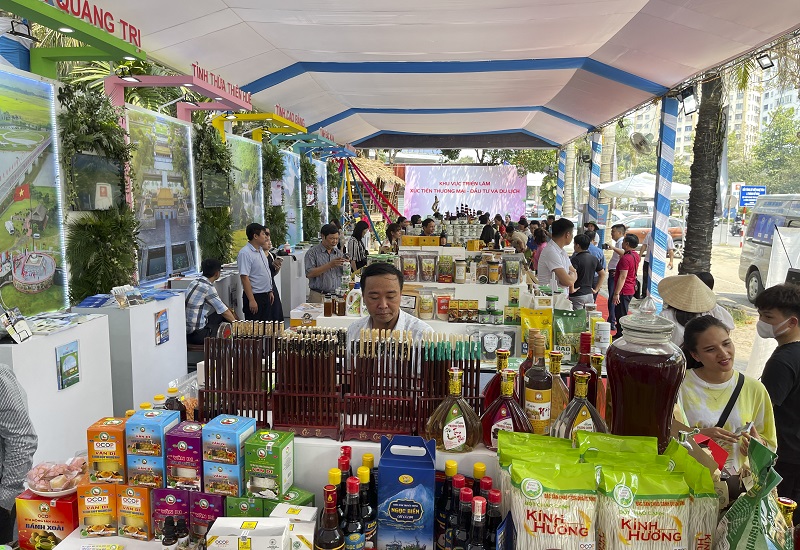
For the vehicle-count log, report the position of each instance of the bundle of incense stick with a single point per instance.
(382, 364)
(255, 329)
(438, 353)
(340, 334)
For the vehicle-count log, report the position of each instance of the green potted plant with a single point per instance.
(214, 224)
(273, 167)
(312, 218)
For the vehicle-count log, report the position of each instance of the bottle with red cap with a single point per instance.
(452, 518)
(445, 503)
(328, 535)
(477, 533)
(347, 451)
(486, 486)
(584, 365)
(344, 468)
(461, 532)
(493, 519)
(352, 524)
(369, 514)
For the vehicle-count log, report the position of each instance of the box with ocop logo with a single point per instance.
(269, 463)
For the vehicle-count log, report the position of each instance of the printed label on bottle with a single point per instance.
(354, 541)
(318, 547)
(566, 351)
(537, 409)
(583, 421)
(370, 533)
(503, 424)
(454, 433)
(441, 528)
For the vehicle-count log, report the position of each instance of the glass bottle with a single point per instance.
(580, 414)
(486, 486)
(347, 450)
(584, 365)
(352, 525)
(174, 402)
(445, 503)
(493, 519)
(645, 371)
(478, 471)
(538, 390)
(477, 534)
(182, 532)
(559, 397)
(454, 425)
(504, 414)
(596, 360)
(452, 516)
(335, 479)
(492, 390)
(369, 513)
(169, 538)
(535, 337)
(368, 461)
(344, 467)
(328, 535)
(460, 536)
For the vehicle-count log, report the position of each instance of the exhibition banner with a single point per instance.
(493, 189)
(292, 197)
(31, 254)
(322, 188)
(247, 195)
(163, 193)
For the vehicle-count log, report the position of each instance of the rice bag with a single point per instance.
(540, 319)
(616, 443)
(567, 328)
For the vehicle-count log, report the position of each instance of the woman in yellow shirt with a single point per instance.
(711, 383)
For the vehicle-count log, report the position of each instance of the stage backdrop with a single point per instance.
(496, 189)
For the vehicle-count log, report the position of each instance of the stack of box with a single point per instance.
(43, 522)
(223, 454)
(106, 451)
(97, 510)
(261, 533)
(302, 520)
(184, 454)
(145, 434)
(269, 464)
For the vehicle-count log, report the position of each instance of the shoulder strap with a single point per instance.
(731, 402)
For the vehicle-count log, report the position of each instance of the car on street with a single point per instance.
(642, 225)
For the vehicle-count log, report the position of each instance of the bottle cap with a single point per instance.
(478, 506)
(466, 494)
(334, 476)
(172, 391)
(329, 495)
(495, 496)
(347, 451)
(159, 397)
(353, 485)
(344, 463)
(478, 470)
(486, 483)
(459, 481)
(586, 342)
(181, 523)
(145, 405)
(368, 460)
(363, 474)
(450, 468)
(129, 413)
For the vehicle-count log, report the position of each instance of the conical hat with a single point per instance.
(687, 293)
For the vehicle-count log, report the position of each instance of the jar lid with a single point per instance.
(645, 319)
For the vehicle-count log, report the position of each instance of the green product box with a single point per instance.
(269, 463)
(295, 495)
(244, 507)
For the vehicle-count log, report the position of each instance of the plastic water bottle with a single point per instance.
(354, 300)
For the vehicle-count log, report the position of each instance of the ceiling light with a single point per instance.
(688, 98)
(229, 115)
(188, 85)
(218, 98)
(22, 30)
(125, 74)
(66, 30)
(765, 61)
(129, 58)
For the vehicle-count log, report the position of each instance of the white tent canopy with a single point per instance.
(452, 74)
(641, 186)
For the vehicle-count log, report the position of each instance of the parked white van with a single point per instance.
(770, 211)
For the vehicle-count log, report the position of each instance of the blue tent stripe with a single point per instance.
(455, 67)
(524, 109)
(562, 169)
(497, 132)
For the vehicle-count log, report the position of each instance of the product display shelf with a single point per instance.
(140, 368)
(457, 252)
(472, 291)
(60, 417)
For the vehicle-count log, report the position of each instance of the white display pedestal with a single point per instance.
(294, 284)
(61, 417)
(140, 368)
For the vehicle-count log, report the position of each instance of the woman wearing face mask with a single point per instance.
(717, 399)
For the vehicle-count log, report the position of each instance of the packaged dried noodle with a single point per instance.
(616, 443)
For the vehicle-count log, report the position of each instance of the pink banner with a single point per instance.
(493, 189)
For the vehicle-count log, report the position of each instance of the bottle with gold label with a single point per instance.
(559, 397)
(454, 424)
(492, 390)
(328, 535)
(504, 414)
(579, 414)
(538, 389)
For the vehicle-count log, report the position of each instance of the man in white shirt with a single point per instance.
(381, 288)
(554, 260)
(617, 234)
(647, 254)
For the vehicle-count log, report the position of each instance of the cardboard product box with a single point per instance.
(295, 496)
(169, 503)
(146, 471)
(301, 536)
(432, 240)
(305, 315)
(45, 521)
(184, 456)
(244, 507)
(145, 431)
(269, 463)
(106, 447)
(406, 493)
(97, 510)
(223, 479)
(204, 509)
(409, 240)
(251, 533)
(294, 513)
(134, 517)
(224, 437)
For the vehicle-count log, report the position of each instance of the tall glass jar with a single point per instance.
(645, 371)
